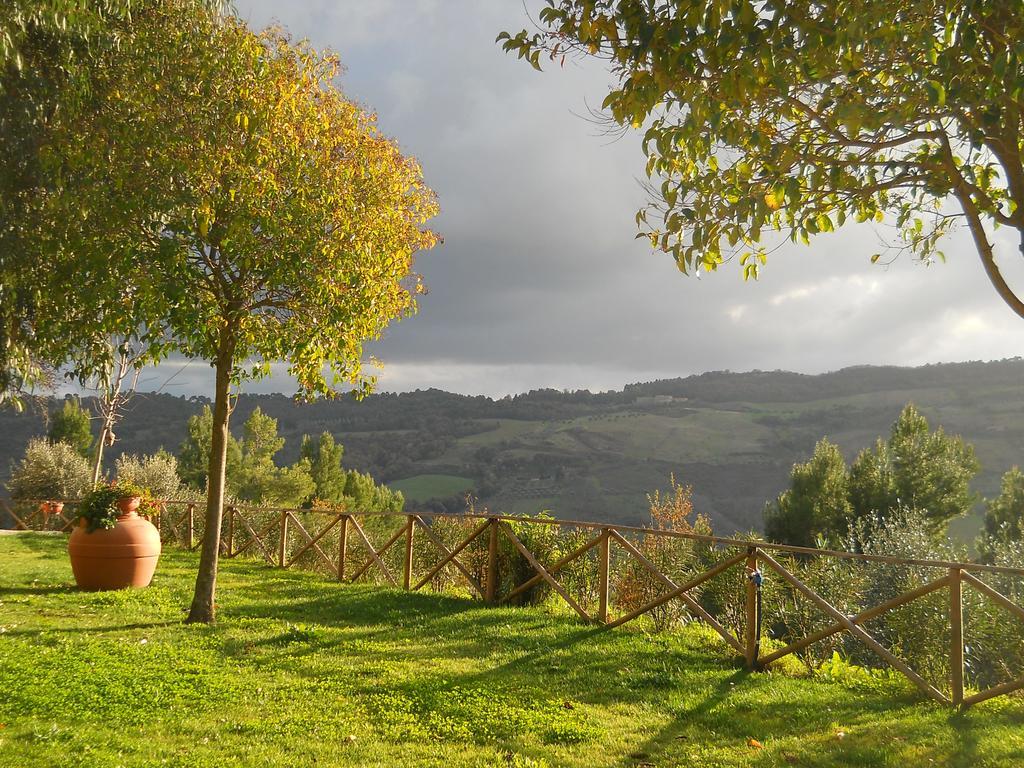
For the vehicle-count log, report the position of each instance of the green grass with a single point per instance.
(300, 671)
(423, 487)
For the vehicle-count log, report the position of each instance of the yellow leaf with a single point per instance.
(755, 744)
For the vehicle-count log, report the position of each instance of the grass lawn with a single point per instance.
(300, 671)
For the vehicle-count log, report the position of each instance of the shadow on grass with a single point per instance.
(831, 726)
(64, 630)
(52, 545)
(47, 589)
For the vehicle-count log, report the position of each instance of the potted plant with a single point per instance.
(48, 474)
(112, 547)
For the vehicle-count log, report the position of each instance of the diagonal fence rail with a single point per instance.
(616, 574)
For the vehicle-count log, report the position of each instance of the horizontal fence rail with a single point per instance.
(616, 574)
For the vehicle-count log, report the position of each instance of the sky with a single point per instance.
(540, 282)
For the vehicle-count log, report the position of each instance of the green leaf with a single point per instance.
(936, 93)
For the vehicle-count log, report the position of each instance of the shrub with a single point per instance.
(993, 637)
(157, 472)
(789, 615)
(635, 586)
(918, 631)
(50, 471)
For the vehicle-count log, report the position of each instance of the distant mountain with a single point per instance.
(733, 436)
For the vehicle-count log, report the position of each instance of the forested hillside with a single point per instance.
(733, 436)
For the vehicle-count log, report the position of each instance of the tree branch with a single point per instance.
(982, 245)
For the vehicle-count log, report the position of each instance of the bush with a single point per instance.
(635, 586)
(50, 471)
(157, 472)
(918, 631)
(994, 638)
(789, 615)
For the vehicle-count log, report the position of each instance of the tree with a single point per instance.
(249, 469)
(257, 478)
(282, 224)
(71, 425)
(917, 469)
(324, 457)
(114, 395)
(1004, 515)
(797, 117)
(817, 501)
(872, 487)
(362, 494)
(260, 441)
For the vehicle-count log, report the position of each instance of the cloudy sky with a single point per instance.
(540, 282)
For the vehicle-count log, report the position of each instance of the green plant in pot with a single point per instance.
(105, 503)
(113, 547)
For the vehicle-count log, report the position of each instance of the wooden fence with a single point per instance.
(470, 550)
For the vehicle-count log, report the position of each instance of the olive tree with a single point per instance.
(796, 117)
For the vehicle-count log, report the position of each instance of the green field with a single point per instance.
(300, 671)
(423, 487)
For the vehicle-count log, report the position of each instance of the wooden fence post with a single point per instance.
(491, 587)
(956, 638)
(231, 530)
(751, 644)
(409, 531)
(191, 526)
(342, 547)
(283, 544)
(602, 576)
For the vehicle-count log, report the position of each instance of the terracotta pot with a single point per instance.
(129, 505)
(123, 556)
(49, 508)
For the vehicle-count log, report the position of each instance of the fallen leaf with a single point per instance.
(755, 744)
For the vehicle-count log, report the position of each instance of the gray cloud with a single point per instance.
(540, 281)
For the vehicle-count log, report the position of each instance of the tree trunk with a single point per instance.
(203, 607)
(98, 459)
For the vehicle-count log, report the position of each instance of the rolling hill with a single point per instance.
(733, 436)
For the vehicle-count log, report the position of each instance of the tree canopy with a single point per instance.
(764, 115)
(71, 425)
(817, 501)
(918, 469)
(49, 52)
(1004, 515)
(324, 457)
